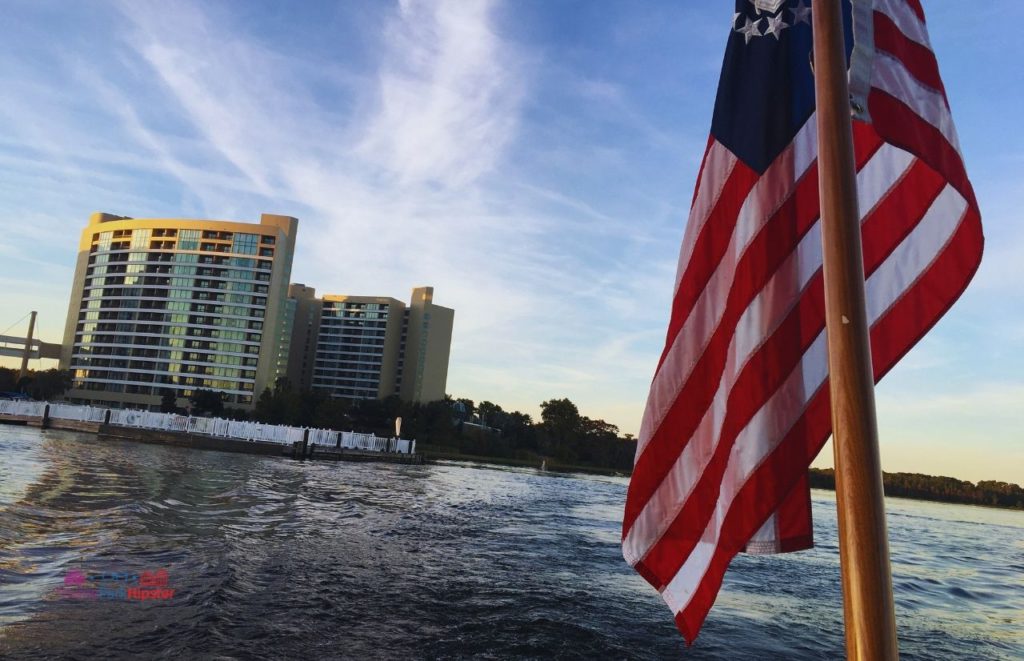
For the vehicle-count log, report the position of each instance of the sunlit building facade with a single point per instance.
(424, 348)
(357, 346)
(367, 347)
(177, 305)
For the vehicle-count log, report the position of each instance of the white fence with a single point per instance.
(237, 429)
(72, 412)
(17, 407)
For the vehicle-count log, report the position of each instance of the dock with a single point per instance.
(212, 433)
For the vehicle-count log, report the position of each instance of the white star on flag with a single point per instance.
(801, 13)
(775, 26)
(749, 30)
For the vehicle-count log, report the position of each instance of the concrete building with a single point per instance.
(424, 349)
(180, 305)
(357, 346)
(303, 325)
(363, 347)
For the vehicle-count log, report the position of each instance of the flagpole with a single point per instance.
(863, 540)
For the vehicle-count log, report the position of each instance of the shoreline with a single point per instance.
(819, 478)
(611, 472)
(519, 463)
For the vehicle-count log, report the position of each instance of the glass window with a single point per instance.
(188, 240)
(245, 244)
(140, 238)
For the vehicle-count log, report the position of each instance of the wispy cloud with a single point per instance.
(412, 187)
(449, 94)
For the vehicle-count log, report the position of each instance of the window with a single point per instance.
(140, 238)
(104, 240)
(188, 240)
(245, 244)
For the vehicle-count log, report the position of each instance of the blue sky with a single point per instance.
(532, 160)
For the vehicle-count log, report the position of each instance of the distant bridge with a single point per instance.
(14, 347)
(27, 348)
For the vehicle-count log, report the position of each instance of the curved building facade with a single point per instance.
(177, 305)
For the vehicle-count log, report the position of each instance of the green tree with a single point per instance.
(489, 413)
(286, 406)
(49, 384)
(8, 379)
(463, 409)
(333, 413)
(207, 403)
(169, 401)
(561, 418)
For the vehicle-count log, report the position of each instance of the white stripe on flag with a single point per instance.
(892, 77)
(923, 243)
(905, 19)
(720, 161)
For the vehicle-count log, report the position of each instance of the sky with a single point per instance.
(532, 160)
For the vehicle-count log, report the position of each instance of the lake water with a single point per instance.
(274, 558)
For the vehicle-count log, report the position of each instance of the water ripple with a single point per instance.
(279, 559)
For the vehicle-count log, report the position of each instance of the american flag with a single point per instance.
(739, 405)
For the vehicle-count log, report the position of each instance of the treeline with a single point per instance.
(562, 437)
(37, 384)
(941, 489)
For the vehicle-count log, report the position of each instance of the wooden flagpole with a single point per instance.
(863, 540)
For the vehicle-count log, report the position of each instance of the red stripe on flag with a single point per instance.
(755, 502)
(709, 248)
(902, 127)
(930, 297)
(899, 212)
(915, 57)
(700, 172)
(865, 141)
(794, 518)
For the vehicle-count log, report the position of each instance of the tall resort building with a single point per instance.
(424, 348)
(163, 304)
(366, 347)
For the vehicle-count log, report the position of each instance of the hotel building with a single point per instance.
(179, 305)
(365, 347)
